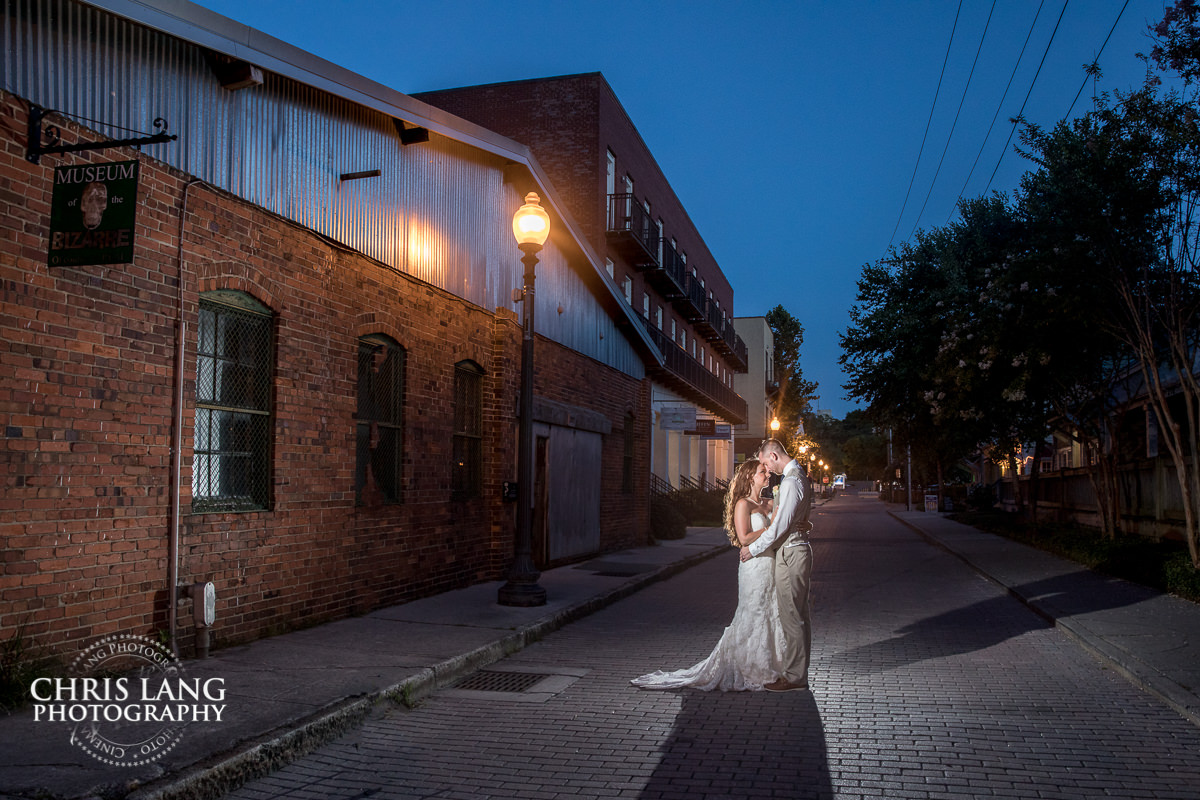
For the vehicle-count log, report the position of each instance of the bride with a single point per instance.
(750, 650)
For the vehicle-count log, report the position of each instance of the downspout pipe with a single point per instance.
(177, 439)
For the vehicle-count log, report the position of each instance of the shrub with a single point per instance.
(1180, 577)
(700, 507)
(1162, 565)
(20, 665)
(666, 521)
(980, 497)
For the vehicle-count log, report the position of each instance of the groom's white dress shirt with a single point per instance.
(791, 492)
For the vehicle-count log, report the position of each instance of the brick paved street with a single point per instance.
(930, 682)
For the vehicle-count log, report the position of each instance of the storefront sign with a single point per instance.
(720, 431)
(92, 214)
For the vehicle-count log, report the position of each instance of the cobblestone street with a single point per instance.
(929, 682)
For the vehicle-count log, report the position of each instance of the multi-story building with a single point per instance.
(757, 385)
(613, 187)
(280, 353)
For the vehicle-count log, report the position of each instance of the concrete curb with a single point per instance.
(226, 772)
(1121, 661)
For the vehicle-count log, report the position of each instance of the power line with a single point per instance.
(1027, 94)
(953, 125)
(999, 106)
(1097, 59)
(921, 152)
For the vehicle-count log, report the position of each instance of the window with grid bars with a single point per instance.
(466, 480)
(232, 436)
(380, 417)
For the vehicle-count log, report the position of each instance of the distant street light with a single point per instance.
(531, 227)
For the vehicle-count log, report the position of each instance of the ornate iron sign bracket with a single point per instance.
(35, 149)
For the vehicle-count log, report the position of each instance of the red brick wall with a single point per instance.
(559, 120)
(570, 122)
(87, 367)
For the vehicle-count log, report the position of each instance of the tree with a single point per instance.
(853, 447)
(899, 350)
(795, 393)
(1088, 206)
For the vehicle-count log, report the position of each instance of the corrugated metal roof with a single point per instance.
(309, 101)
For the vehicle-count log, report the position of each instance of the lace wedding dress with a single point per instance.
(751, 648)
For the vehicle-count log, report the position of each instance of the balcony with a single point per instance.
(712, 325)
(725, 340)
(691, 379)
(631, 231)
(669, 279)
(693, 305)
(737, 350)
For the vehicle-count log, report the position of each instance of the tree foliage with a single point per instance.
(795, 393)
(1058, 308)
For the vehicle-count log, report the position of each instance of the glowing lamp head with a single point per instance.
(774, 425)
(531, 223)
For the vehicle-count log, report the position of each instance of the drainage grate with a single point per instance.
(489, 681)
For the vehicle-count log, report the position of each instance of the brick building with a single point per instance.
(625, 206)
(283, 356)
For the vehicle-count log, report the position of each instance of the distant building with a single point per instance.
(757, 385)
(612, 186)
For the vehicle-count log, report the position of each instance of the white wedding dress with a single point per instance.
(751, 648)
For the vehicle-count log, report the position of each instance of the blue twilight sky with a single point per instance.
(790, 131)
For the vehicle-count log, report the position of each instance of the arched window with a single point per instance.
(467, 477)
(380, 417)
(231, 456)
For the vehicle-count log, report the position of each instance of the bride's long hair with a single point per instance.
(739, 487)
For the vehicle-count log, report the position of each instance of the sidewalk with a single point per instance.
(1151, 638)
(288, 694)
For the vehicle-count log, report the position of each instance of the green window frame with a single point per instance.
(232, 432)
(379, 428)
(466, 478)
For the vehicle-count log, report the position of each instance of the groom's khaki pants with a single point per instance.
(793, 574)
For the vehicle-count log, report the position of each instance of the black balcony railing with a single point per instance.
(693, 304)
(670, 278)
(635, 236)
(712, 324)
(738, 352)
(692, 379)
(721, 332)
(631, 231)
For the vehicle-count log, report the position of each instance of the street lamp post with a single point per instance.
(531, 227)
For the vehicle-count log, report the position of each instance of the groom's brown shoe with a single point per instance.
(783, 685)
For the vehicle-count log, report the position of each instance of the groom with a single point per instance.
(786, 539)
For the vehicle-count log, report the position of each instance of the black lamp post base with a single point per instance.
(521, 594)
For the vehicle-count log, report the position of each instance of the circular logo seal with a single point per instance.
(122, 695)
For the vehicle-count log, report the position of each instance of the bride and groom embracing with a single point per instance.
(767, 644)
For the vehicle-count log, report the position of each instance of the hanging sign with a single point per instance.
(703, 427)
(720, 432)
(92, 213)
(678, 418)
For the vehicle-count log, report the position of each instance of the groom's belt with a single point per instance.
(800, 535)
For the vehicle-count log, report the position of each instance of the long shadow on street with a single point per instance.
(743, 745)
(966, 628)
